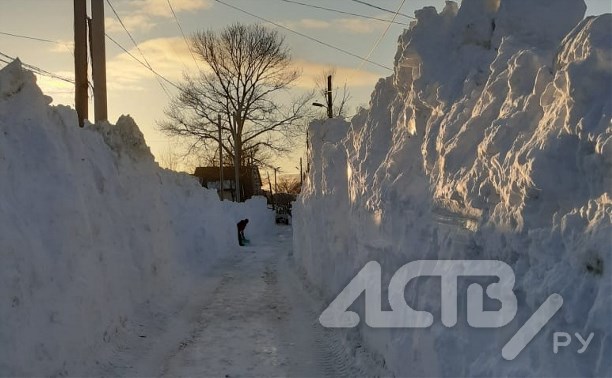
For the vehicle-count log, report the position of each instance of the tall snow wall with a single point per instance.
(91, 232)
(491, 140)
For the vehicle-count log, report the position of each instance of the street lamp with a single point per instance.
(328, 94)
(328, 107)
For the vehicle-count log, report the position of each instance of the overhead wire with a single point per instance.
(38, 39)
(183, 34)
(158, 75)
(382, 9)
(35, 69)
(341, 12)
(136, 45)
(304, 35)
(34, 38)
(49, 74)
(40, 71)
(382, 35)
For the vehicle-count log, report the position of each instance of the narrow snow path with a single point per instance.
(252, 316)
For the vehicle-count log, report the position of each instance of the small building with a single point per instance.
(250, 181)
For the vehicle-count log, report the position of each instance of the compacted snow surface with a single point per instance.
(491, 140)
(254, 317)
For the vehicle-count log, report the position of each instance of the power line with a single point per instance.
(32, 38)
(342, 12)
(141, 62)
(49, 74)
(40, 71)
(184, 38)
(383, 34)
(35, 69)
(136, 45)
(382, 9)
(46, 73)
(304, 35)
(38, 39)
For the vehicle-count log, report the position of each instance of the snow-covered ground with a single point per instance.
(250, 316)
(96, 240)
(491, 140)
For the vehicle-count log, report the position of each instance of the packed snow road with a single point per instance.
(253, 316)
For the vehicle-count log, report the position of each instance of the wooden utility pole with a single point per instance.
(98, 60)
(80, 60)
(307, 153)
(330, 110)
(301, 174)
(220, 160)
(237, 162)
(271, 194)
(275, 186)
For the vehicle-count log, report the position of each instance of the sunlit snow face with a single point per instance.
(409, 122)
(349, 172)
(377, 217)
(492, 5)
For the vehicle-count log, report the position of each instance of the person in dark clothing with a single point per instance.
(241, 226)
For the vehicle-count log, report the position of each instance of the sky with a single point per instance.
(135, 90)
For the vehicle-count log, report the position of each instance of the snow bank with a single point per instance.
(91, 229)
(261, 219)
(491, 140)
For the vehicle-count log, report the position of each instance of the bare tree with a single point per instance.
(340, 95)
(170, 158)
(249, 70)
(289, 185)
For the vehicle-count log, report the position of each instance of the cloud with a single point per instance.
(142, 15)
(134, 22)
(358, 26)
(160, 8)
(342, 25)
(312, 72)
(63, 46)
(306, 23)
(169, 57)
(53, 84)
(62, 92)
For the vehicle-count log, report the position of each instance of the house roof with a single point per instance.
(212, 173)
